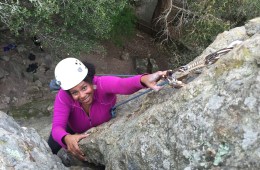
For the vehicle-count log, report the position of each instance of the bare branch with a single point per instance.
(171, 15)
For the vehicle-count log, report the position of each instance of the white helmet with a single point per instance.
(69, 72)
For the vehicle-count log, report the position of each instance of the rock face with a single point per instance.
(212, 122)
(23, 148)
(145, 10)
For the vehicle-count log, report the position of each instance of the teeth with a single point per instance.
(86, 98)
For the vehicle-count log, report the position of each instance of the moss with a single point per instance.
(32, 109)
(14, 154)
(237, 60)
(223, 152)
(2, 142)
(225, 67)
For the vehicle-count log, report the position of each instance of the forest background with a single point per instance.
(69, 26)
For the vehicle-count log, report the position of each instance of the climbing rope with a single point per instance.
(173, 77)
(113, 109)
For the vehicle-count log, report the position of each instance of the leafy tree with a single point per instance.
(215, 16)
(196, 22)
(67, 25)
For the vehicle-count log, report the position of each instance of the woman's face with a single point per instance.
(83, 92)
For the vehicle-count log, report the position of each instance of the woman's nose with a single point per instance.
(82, 94)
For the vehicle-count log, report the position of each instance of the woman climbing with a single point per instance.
(84, 101)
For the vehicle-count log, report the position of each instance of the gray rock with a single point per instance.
(212, 122)
(3, 73)
(4, 58)
(38, 83)
(21, 49)
(125, 56)
(23, 148)
(253, 26)
(146, 65)
(141, 65)
(145, 9)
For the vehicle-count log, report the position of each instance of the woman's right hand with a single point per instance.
(150, 80)
(72, 145)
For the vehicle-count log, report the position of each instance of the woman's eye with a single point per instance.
(74, 93)
(84, 88)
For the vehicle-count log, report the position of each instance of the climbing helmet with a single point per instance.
(69, 72)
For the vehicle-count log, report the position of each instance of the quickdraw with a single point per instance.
(174, 77)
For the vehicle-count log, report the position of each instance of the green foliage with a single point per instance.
(69, 26)
(90, 17)
(123, 25)
(202, 31)
(208, 18)
(31, 16)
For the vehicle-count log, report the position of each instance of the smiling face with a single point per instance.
(83, 93)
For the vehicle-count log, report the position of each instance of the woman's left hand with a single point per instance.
(150, 80)
(72, 144)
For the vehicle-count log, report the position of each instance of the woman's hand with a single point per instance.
(150, 80)
(72, 145)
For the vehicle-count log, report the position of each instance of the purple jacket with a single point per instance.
(69, 112)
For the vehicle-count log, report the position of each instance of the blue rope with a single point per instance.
(113, 109)
(55, 87)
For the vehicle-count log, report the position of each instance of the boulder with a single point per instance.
(22, 148)
(213, 122)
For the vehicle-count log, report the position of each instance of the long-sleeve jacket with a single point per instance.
(69, 112)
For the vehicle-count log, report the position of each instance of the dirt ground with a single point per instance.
(122, 59)
(26, 95)
(18, 86)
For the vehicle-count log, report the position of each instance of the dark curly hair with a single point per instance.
(91, 72)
